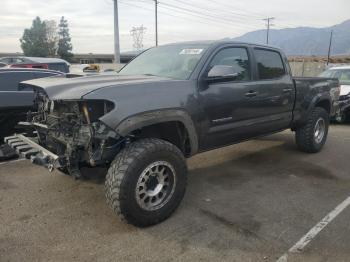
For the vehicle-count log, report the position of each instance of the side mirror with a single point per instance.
(222, 73)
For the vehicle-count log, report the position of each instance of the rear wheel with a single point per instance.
(146, 182)
(313, 135)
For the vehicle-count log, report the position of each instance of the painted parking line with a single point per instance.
(305, 240)
(12, 161)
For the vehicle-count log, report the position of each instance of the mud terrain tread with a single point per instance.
(305, 135)
(117, 182)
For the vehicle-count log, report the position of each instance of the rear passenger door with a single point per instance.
(272, 106)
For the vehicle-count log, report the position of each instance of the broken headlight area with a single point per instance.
(73, 131)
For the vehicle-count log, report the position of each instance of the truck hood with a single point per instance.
(65, 88)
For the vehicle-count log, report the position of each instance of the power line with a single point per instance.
(221, 11)
(207, 15)
(164, 13)
(203, 19)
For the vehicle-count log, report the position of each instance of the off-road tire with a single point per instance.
(304, 136)
(124, 173)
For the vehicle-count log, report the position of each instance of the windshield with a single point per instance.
(342, 74)
(174, 61)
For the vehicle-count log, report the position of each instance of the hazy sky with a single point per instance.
(91, 21)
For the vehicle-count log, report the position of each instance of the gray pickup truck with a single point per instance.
(168, 104)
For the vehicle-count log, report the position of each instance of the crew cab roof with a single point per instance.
(223, 42)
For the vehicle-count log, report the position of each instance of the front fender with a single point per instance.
(144, 119)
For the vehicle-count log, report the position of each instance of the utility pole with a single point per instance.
(156, 19)
(116, 34)
(330, 47)
(268, 25)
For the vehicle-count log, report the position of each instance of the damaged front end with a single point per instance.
(72, 130)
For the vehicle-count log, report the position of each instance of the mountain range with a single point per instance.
(305, 40)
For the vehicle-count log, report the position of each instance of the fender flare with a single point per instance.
(307, 110)
(320, 98)
(148, 118)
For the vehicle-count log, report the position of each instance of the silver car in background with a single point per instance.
(343, 74)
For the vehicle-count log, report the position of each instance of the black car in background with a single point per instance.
(15, 103)
(36, 62)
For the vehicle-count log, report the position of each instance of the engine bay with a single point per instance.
(72, 130)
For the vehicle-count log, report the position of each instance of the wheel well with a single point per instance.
(325, 104)
(174, 132)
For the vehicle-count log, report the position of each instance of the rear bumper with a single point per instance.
(29, 149)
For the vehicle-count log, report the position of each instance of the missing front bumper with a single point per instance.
(29, 149)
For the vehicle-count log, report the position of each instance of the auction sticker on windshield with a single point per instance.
(191, 51)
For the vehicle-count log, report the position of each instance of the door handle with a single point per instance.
(251, 94)
(287, 90)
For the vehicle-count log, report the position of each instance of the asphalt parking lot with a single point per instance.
(248, 202)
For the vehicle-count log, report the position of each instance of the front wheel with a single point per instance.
(313, 135)
(146, 182)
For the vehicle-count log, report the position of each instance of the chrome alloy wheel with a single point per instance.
(155, 185)
(320, 130)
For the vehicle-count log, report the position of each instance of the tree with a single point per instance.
(34, 40)
(64, 42)
(52, 37)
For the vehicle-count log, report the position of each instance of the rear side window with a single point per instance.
(270, 64)
(237, 58)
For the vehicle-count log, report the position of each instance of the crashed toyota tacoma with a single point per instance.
(168, 104)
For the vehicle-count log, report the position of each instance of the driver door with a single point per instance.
(227, 102)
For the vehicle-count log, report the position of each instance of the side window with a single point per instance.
(270, 64)
(58, 67)
(9, 81)
(17, 60)
(5, 60)
(237, 58)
